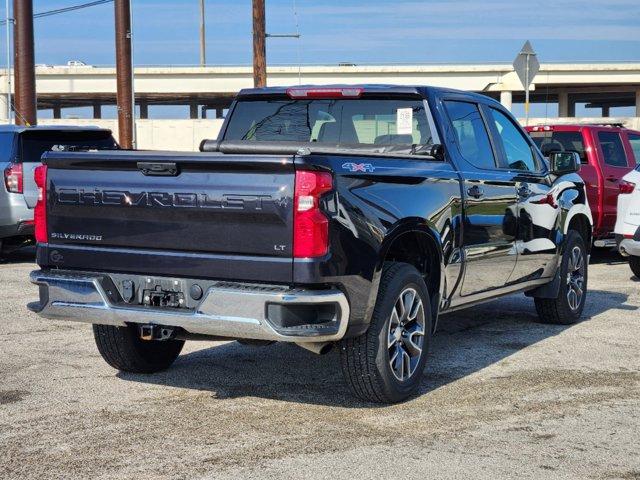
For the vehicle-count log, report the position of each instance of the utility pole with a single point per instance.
(124, 73)
(203, 44)
(24, 61)
(259, 45)
(8, 22)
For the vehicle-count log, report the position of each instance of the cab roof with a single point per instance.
(367, 88)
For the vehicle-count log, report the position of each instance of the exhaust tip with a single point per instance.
(319, 348)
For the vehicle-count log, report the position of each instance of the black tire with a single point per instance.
(558, 310)
(634, 263)
(366, 359)
(123, 349)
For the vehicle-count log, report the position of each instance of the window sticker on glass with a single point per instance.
(404, 122)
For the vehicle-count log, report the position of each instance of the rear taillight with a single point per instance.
(626, 187)
(40, 212)
(310, 225)
(13, 178)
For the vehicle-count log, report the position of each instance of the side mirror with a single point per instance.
(562, 163)
(437, 152)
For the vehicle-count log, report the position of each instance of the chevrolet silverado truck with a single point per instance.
(347, 216)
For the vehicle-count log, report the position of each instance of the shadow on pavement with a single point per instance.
(20, 255)
(606, 256)
(466, 342)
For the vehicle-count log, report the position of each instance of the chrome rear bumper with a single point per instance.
(226, 309)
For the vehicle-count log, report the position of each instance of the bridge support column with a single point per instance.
(566, 108)
(637, 103)
(193, 111)
(606, 111)
(57, 111)
(506, 99)
(97, 110)
(144, 110)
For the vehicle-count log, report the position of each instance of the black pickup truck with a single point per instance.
(346, 215)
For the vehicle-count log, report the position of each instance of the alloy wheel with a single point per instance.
(575, 278)
(405, 337)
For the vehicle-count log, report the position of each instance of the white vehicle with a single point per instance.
(77, 63)
(627, 228)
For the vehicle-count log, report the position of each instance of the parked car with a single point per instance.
(20, 152)
(628, 224)
(607, 153)
(350, 216)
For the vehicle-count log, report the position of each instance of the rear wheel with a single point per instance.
(634, 263)
(385, 364)
(123, 349)
(567, 307)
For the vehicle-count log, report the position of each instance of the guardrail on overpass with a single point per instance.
(600, 85)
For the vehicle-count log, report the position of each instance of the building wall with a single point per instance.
(186, 135)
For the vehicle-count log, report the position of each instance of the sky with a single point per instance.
(166, 32)
(353, 31)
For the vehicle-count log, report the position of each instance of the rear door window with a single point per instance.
(612, 149)
(634, 140)
(471, 133)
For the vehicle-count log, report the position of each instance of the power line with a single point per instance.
(72, 8)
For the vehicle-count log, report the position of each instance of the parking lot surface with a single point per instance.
(503, 396)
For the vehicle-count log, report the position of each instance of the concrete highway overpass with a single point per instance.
(207, 91)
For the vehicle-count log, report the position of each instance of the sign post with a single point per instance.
(526, 66)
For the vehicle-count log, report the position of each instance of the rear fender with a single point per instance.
(576, 210)
(406, 226)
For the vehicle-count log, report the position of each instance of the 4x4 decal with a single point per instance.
(358, 167)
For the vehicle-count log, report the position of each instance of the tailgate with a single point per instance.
(209, 203)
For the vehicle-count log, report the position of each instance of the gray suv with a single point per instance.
(20, 152)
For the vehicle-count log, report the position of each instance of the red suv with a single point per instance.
(607, 152)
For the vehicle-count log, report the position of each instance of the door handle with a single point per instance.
(476, 192)
(612, 178)
(158, 169)
(524, 191)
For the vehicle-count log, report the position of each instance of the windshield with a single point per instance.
(367, 124)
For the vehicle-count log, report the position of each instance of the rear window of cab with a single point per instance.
(362, 122)
(558, 141)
